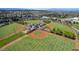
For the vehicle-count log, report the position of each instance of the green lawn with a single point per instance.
(8, 29)
(37, 32)
(60, 26)
(33, 21)
(76, 26)
(78, 36)
(11, 38)
(62, 29)
(50, 43)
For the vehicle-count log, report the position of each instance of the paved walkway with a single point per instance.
(12, 42)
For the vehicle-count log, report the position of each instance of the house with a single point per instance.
(4, 22)
(44, 17)
(54, 18)
(72, 20)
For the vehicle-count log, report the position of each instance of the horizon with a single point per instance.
(49, 9)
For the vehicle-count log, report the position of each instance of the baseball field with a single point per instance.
(38, 40)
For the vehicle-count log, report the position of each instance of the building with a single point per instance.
(72, 20)
(31, 27)
(44, 17)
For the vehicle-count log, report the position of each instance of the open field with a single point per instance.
(76, 26)
(78, 36)
(33, 21)
(9, 29)
(38, 39)
(49, 43)
(10, 39)
(61, 29)
(60, 26)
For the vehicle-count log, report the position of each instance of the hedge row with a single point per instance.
(46, 21)
(64, 30)
(22, 22)
(64, 33)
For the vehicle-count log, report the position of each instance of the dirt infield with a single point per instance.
(40, 34)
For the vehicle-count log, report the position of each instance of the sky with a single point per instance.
(49, 9)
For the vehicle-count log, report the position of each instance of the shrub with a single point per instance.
(46, 21)
(22, 22)
(65, 33)
(69, 34)
(57, 31)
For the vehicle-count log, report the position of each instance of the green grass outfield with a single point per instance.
(8, 30)
(33, 21)
(51, 43)
(78, 36)
(11, 38)
(62, 29)
(76, 26)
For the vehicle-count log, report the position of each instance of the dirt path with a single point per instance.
(76, 45)
(12, 43)
(76, 41)
(0, 39)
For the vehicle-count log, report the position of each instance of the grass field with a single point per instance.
(61, 29)
(78, 36)
(9, 29)
(11, 38)
(76, 26)
(33, 21)
(37, 32)
(50, 43)
(60, 26)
